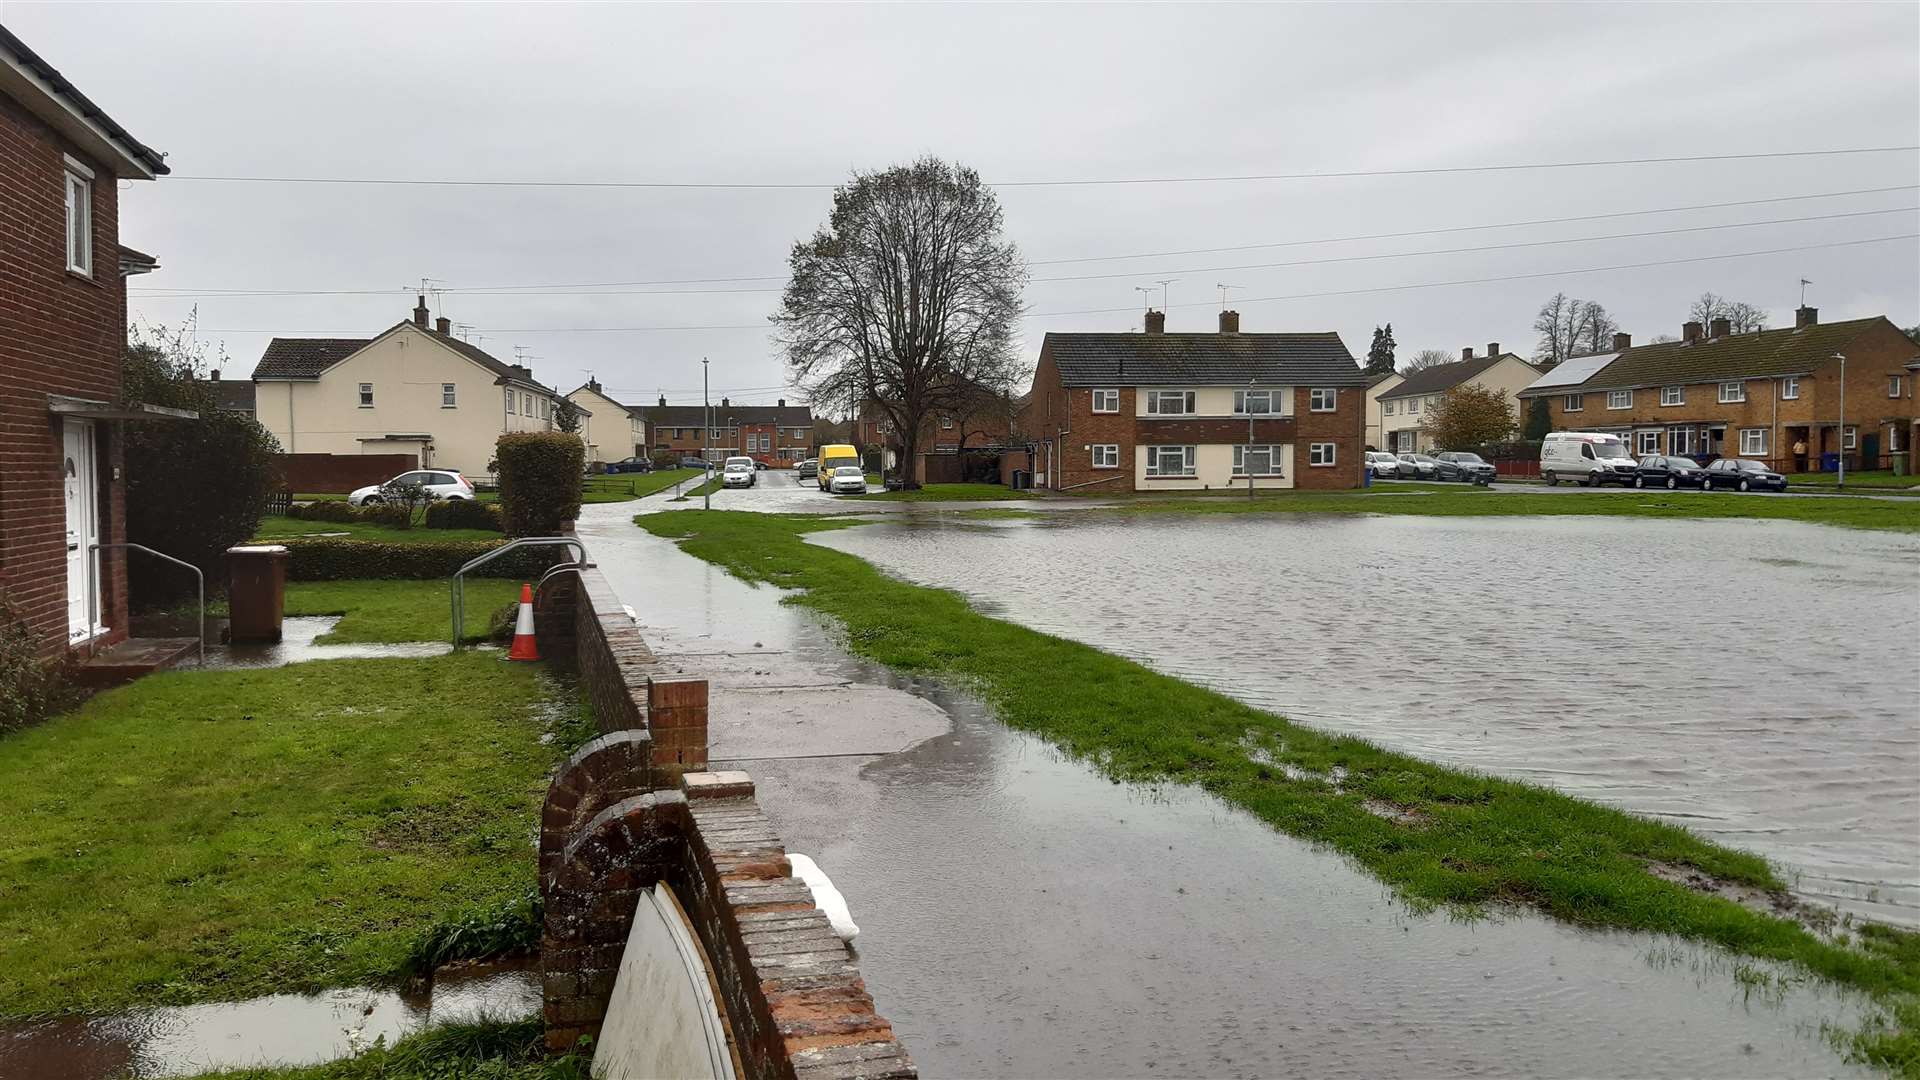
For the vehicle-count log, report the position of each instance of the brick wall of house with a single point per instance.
(1344, 427)
(59, 333)
(1087, 428)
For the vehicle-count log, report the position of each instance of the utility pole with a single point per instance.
(1842, 357)
(1247, 461)
(706, 438)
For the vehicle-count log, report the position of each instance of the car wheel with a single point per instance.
(1639, 481)
(1592, 480)
(1552, 480)
(1672, 483)
(1744, 486)
(371, 500)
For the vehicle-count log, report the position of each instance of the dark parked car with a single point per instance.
(1669, 473)
(1744, 475)
(1460, 465)
(695, 463)
(1418, 467)
(632, 464)
(807, 469)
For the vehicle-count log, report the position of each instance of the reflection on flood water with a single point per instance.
(1754, 681)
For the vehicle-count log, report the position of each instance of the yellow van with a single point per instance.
(831, 456)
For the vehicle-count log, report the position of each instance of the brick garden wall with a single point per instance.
(337, 474)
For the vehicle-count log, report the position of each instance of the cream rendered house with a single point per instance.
(1402, 423)
(411, 390)
(1377, 385)
(612, 431)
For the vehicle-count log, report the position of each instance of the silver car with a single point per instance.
(739, 472)
(440, 483)
(848, 480)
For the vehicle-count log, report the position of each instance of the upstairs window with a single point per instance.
(1322, 400)
(1790, 387)
(447, 393)
(1413, 405)
(79, 218)
(1732, 393)
(1386, 408)
(1106, 401)
(1573, 403)
(1258, 402)
(1895, 385)
(366, 395)
(1673, 395)
(510, 397)
(1619, 399)
(1170, 403)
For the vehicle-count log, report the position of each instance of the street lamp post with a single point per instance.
(1246, 461)
(706, 438)
(1842, 357)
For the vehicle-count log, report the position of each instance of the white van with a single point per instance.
(1587, 457)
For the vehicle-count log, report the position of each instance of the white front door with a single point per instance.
(83, 528)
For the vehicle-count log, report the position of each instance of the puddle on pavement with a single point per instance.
(296, 644)
(1752, 681)
(281, 1029)
(1022, 916)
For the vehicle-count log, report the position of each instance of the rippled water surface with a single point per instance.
(1754, 681)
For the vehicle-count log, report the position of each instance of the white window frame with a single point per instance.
(1243, 401)
(1573, 403)
(1189, 467)
(1753, 442)
(1157, 398)
(1104, 455)
(366, 395)
(1648, 442)
(1624, 397)
(449, 396)
(1896, 385)
(79, 196)
(1672, 395)
(1322, 455)
(1332, 399)
(1850, 439)
(1386, 408)
(1733, 392)
(1679, 441)
(1276, 465)
(946, 423)
(1413, 406)
(1105, 401)
(511, 396)
(1790, 388)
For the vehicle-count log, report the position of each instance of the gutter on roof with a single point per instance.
(79, 118)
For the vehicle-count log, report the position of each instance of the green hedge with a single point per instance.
(332, 559)
(463, 514)
(540, 477)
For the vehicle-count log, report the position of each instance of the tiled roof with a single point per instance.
(1759, 355)
(694, 415)
(1202, 359)
(154, 160)
(306, 358)
(1442, 377)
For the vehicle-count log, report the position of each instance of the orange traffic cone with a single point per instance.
(523, 643)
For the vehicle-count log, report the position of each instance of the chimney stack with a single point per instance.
(1229, 322)
(1805, 316)
(1466, 353)
(663, 401)
(781, 403)
(1690, 332)
(1722, 327)
(593, 384)
(216, 374)
(724, 404)
(1156, 321)
(1493, 350)
(420, 313)
(1622, 342)
(444, 326)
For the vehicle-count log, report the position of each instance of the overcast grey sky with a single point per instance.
(802, 94)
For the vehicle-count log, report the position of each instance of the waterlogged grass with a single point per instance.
(1453, 501)
(217, 835)
(950, 493)
(275, 527)
(385, 611)
(625, 487)
(487, 1050)
(1438, 836)
(698, 490)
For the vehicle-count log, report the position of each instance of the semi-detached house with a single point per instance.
(1405, 407)
(1168, 412)
(612, 431)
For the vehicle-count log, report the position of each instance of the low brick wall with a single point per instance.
(337, 474)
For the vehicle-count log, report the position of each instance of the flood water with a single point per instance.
(1753, 681)
(1021, 916)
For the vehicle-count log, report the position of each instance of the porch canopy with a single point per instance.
(87, 409)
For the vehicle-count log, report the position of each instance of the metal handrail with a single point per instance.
(562, 568)
(92, 615)
(459, 584)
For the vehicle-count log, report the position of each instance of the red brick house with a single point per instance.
(1168, 412)
(63, 327)
(778, 434)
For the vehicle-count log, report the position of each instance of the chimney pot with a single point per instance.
(1493, 349)
(1229, 322)
(1466, 353)
(444, 325)
(724, 404)
(1691, 332)
(1722, 327)
(781, 403)
(1622, 342)
(663, 401)
(1806, 316)
(420, 313)
(216, 374)
(1156, 322)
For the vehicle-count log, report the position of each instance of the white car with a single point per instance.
(848, 480)
(739, 472)
(440, 483)
(1381, 463)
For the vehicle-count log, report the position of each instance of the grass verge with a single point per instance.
(1438, 836)
(277, 527)
(626, 487)
(951, 493)
(216, 835)
(698, 490)
(1878, 478)
(395, 610)
(486, 1050)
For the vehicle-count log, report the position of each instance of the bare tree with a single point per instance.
(1593, 328)
(1425, 359)
(906, 298)
(1744, 317)
(1571, 327)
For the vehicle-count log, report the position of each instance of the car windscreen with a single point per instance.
(1682, 463)
(1469, 459)
(847, 470)
(1750, 466)
(1611, 450)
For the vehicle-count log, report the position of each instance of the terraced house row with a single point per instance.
(1155, 411)
(1771, 395)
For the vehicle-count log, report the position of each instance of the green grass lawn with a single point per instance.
(1882, 478)
(279, 527)
(487, 1050)
(625, 487)
(697, 490)
(950, 493)
(216, 835)
(389, 610)
(1472, 840)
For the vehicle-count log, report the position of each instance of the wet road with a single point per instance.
(1023, 917)
(1754, 681)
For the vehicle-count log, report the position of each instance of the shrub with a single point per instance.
(477, 934)
(336, 512)
(340, 559)
(31, 689)
(390, 514)
(463, 514)
(665, 459)
(540, 478)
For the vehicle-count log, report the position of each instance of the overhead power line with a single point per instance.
(1208, 304)
(1341, 174)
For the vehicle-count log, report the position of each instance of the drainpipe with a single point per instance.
(293, 440)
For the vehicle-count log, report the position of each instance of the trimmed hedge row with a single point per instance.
(540, 479)
(463, 514)
(333, 559)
